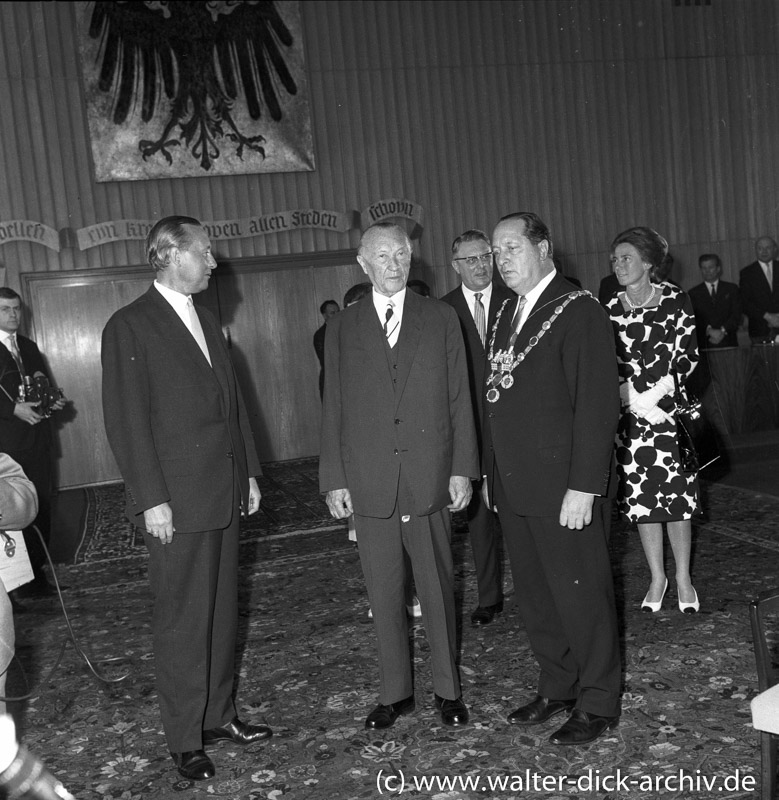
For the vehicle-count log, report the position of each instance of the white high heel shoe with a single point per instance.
(654, 607)
(690, 608)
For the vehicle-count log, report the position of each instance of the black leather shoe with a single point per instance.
(237, 732)
(540, 710)
(194, 764)
(453, 712)
(483, 615)
(385, 716)
(582, 728)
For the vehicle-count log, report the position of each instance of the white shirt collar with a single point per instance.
(380, 304)
(470, 295)
(179, 302)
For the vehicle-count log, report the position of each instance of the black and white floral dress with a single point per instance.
(650, 343)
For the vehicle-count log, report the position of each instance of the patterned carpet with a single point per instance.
(307, 667)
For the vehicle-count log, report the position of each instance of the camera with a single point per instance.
(37, 389)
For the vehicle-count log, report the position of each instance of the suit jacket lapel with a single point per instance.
(408, 341)
(370, 337)
(177, 330)
(464, 312)
(541, 311)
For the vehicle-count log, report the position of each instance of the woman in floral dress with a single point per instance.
(655, 337)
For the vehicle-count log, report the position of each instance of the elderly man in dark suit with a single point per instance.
(551, 413)
(717, 306)
(759, 285)
(25, 432)
(476, 302)
(398, 450)
(178, 428)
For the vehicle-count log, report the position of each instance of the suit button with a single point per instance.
(396, 451)
(229, 454)
(397, 422)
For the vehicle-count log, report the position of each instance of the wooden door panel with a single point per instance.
(69, 312)
(269, 309)
(270, 318)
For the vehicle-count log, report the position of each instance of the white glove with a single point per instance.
(655, 416)
(642, 402)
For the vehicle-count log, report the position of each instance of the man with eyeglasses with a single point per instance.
(476, 302)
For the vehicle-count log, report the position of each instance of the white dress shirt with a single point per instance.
(470, 298)
(531, 298)
(380, 303)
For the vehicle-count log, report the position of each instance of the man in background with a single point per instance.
(25, 432)
(476, 302)
(328, 309)
(399, 450)
(551, 412)
(179, 431)
(717, 306)
(759, 285)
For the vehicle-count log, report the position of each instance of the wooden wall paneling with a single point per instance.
(271, 307)
(69, 311)
(273, 364)
(413, 68)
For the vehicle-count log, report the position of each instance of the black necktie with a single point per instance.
(387, 318)
(713, 291)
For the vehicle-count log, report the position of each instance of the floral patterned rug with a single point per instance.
(307, 667)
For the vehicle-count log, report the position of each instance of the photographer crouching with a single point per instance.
(26, 403)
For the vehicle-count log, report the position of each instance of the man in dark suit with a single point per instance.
(328, 309)
(25, 432)
(717, 306)
(178, 428)
(399, 450)
(550, 421)
(759, 285)
(476, 302)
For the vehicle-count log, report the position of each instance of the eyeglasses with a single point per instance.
(472, 261)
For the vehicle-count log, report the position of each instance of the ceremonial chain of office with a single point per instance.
(503, 363)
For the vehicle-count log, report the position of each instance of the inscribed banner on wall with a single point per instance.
(199, 88)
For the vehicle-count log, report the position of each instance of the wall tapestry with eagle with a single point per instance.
(183, 89)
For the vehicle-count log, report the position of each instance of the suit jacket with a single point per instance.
(16, 436)
(554, 428)
(377, 419)
(474, 349)
(722, 312)
(757, 297)
(177, 427)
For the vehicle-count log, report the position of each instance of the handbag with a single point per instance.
(15, 567)
(694, 436)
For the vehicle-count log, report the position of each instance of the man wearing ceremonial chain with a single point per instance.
(551, 411)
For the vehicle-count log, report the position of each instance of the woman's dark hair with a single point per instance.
(651, 246)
